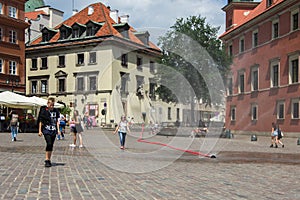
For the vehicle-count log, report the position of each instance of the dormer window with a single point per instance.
(122, 28)
(47, 34)
(77, 30)
(143, 36)
(46, 37)
(65, 32)
(75, 33)
(92, 28)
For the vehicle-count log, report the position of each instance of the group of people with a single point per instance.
(276, 136)
(50, 126)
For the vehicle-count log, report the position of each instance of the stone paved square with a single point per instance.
(242, 169)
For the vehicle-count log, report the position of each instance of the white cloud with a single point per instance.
(154, 13)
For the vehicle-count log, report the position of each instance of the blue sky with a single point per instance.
(153, 13)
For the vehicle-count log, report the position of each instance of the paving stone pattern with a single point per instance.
(242, 169)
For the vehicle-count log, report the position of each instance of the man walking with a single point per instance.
(49, 127)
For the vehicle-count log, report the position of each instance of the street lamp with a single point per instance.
(14, 82)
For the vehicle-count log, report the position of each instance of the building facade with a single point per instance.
(96, 63)
(39, 18)
(264, 86)
(12, 45)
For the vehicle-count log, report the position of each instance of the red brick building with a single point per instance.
(264, 84)
(12, 45)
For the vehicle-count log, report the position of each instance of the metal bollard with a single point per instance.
(253, 138)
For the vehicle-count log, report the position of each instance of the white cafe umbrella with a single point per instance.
(43, 102)
(11, 99)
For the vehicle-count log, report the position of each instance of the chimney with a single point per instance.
(114, 15)
(124, 19)
(75, 11)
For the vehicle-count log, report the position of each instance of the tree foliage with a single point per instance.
(191, 47)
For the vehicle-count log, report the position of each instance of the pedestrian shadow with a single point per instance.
(58, 164)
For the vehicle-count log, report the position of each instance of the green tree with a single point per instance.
(192, 49)
(65, 110)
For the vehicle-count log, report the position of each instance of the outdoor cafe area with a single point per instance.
(26, 107)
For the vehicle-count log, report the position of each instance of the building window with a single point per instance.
(242, 45)
(89, 31)
(254, 112)
(152, 90)
(45, 37)
(295, 20)
(269, 3)
(295, 108)
(233, 113)
(44, 63)
(63, 34)
(139, 63)
(280, 110)
(12, 12)
(275, 75)
(254, 79)
(124, 60)
(139, 81)
(80, 83)
(61, 61)
(80, 59)
(61, 85)
(169, 113)
(1, 34)
(93, 58)
(34, 64)
(75, 33)
(1, 12)
(255, 39)
(1, 66)
(124, 84)
(275, 29)
(294, 69)
(13, 67)
(34, 87)
(230, 50)
(12, 36)
(44, 86)
(93, 83)
(152, 67)
(230, 86)
(241, 82)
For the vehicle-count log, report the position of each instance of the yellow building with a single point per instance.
(94, 62)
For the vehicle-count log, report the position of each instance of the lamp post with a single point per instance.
(13, 82)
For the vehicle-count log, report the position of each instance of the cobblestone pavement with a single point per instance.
(242, 169)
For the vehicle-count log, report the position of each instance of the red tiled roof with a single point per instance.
(34, 14)
(101, 14)
(258, 10)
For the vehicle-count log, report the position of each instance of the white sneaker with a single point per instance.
(80, 146)
(72, 145)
